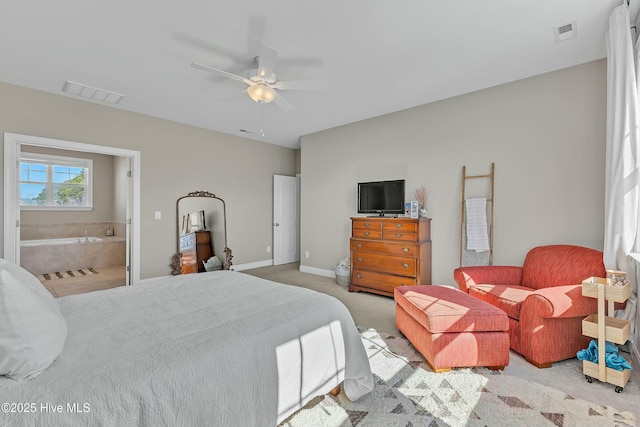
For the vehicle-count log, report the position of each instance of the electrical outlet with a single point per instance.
(158, 215)
(306, 254)
(268, 249)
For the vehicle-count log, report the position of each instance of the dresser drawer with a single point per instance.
(380, 281)
(187, 241)
(399, 235)
(397, 249)
(390, 264)
(190, 268)
(367, 234)
(400, 226)
(188, 261)
(367, 224)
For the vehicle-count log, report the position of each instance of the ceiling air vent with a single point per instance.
(565, 32)
(93, 93)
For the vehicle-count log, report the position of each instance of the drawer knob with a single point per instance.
(359, 245)
(405, 249)
(359, 276)
(405, 265)
(366, 224)
(359, 259)
(398, 225)
(398, 235)
(366, 233)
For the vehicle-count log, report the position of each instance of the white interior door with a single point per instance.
(286, 219)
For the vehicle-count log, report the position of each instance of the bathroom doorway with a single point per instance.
(78, 249)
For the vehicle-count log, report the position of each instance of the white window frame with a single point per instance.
(52, 160)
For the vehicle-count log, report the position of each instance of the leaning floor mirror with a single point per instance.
(201, 234)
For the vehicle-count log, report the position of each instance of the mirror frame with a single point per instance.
(176, 261)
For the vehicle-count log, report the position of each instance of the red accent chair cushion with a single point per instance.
(543, 299)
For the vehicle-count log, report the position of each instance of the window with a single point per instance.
(55, 183)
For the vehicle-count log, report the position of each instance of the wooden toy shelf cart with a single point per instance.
(605, 327)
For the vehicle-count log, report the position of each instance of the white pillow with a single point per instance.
(22, 275)
(32, 329)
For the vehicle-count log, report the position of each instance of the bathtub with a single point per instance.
(62, 241)
(72, 253)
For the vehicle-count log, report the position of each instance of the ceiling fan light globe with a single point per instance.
(261, 93)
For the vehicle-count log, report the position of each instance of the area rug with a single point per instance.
(67, 274)
(408, 393)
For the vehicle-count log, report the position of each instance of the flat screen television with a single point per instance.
(381, 197)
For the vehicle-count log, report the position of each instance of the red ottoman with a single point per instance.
(452, 329)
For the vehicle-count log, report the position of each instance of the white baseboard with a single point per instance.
(318, 271)
(250, 265)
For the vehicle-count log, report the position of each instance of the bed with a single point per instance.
(218, 349)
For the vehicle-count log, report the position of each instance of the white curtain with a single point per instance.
(622, 156)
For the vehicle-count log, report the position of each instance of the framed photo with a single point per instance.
(414, 209)
(407, 209)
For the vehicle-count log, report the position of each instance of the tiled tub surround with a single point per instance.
(51, 254)
(72, 229)
(62, 241)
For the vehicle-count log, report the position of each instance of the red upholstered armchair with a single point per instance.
(543, 299)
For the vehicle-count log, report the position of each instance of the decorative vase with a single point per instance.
(424, 213)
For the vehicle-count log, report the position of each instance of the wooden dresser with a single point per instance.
(195, 248)
(389, 252)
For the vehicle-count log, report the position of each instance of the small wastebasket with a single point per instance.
(212, 264)
(343, 272)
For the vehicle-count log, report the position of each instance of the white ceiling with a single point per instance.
(376, 56)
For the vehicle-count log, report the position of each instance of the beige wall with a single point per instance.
(175, 160)
(545, 134)
(120, 193)
(103, 191)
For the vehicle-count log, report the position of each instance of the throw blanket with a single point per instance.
(477, 236)
(612, 359)
(212, 349)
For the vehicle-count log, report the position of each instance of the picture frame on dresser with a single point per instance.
(414, 209)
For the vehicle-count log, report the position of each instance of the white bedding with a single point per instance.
(213, 349)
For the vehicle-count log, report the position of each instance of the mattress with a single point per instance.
(220, 348)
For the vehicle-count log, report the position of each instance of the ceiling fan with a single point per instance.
(262, 81)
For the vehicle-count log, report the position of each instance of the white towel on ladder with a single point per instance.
(477, 236)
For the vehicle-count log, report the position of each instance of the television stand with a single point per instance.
(389, 252)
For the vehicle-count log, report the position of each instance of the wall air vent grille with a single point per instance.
(84, 91)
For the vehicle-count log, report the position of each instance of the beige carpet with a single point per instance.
(378, 312)
(408, 393)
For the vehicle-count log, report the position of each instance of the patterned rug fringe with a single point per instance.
(67, 274)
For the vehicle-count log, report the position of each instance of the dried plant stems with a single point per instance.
(421, 196)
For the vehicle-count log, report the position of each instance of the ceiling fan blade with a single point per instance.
(282, 102)
(266, 61)
(301, 85)
(222, 73)
(234, 96)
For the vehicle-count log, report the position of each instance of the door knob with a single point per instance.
(276, 224)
